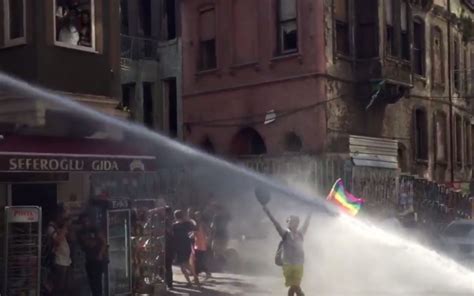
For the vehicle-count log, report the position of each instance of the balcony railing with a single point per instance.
(139, 48)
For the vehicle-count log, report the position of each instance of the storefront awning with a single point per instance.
(55, 154)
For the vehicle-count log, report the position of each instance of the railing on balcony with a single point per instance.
(139, 48)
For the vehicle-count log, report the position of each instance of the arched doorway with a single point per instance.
(248, 142)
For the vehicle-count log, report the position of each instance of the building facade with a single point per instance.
(151, 64)
(51, 155)
(242, 62)
(311, 75)
(36, 35)
(409, 66)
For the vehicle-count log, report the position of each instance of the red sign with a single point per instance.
(23, 214)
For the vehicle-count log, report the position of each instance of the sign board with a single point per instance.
(21, 252)
(85, 163)
(23, 215)
(118, 204)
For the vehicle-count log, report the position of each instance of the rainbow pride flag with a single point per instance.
(344, 200)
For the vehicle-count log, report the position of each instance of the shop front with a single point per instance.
(113, 183)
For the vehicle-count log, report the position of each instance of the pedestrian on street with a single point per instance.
(169, 247)
(190, 216)
(182, 233)
(201, 244)
(291, 250)
(220, 234)
(62, 258)
(94, 246)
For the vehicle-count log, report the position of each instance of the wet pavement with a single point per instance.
(226, 284)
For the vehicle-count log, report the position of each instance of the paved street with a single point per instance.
(229, 284)
(232, 284)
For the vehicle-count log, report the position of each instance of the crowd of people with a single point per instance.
(61, 237)
(194, 240)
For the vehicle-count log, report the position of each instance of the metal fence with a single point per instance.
(437, 203)
(138, 48)
(318, 173)
(379, 187)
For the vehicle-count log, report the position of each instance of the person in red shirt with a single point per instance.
(201, 246)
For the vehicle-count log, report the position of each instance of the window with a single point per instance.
(148, 114)
(144, 8)
(293, 142)
(457, 65)
(397, 15)
(438, 60)
(287, 27)
(466, 72)
(421, 135)
(405, 36)
(421, 4)
(471, 147)
(441, 138)
(207, 42)
(248, 142)
(419, 47)
(14, 22)
(170, 95)
(169, 19)
(471, 76)
(389, 31)
(124, 17)
(128, 95)
(467, 143)
(367, 41)
(74, 24)
(342, 26)
(459, 141)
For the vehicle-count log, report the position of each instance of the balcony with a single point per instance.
(383, 81)
(138, 48)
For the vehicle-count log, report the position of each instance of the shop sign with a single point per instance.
(23, 214)
(117, 204)
(72, 164)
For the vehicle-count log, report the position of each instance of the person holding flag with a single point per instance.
(290, 253)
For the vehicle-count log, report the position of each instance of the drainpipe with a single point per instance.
(450, 96)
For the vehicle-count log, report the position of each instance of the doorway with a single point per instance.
(41, 195)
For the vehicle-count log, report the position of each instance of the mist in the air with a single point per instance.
(344, 256)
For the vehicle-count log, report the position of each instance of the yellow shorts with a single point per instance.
(293, 274)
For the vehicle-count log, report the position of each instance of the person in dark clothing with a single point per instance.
(169, 247)
(94, 247)
(182, 230)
